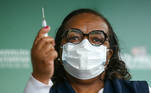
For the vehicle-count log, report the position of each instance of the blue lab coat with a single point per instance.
(110, 86)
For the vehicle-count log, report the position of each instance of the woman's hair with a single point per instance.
(116, 67)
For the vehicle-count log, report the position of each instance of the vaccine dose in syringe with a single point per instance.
(44, 23)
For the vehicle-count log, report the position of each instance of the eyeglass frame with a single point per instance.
(87, 35)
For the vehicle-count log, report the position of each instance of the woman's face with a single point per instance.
(88, 22)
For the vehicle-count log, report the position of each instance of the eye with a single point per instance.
(74, 39)
(96, 37)
(97, 40)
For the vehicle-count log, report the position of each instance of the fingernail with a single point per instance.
(46, 27)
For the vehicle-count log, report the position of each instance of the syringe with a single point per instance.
(44, 23)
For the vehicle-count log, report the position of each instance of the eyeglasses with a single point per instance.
(96, 37)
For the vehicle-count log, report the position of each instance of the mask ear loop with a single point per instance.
(104, 63)
(108, 51)
(105, 66)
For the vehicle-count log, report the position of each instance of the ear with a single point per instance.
(109, 55)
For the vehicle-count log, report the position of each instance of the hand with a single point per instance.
(43, 55)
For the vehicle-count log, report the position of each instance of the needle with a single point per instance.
(43, 15)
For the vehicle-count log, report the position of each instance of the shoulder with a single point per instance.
(127, 85)
(139, 86)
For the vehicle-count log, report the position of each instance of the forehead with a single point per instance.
(87, 22)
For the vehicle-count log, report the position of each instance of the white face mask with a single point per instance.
(83, 60)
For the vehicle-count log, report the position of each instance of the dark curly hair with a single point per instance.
(116, 67)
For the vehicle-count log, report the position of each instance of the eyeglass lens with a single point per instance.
(96, 37)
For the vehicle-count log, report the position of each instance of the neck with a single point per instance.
(86, 86)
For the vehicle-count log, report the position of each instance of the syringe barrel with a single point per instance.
(44, 24)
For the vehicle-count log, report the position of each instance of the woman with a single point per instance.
(85, 56)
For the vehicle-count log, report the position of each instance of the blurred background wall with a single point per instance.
(20, 20)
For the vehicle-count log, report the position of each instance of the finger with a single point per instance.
(41, 33)
(52, 55)
(52, 41)
(46, 40)
(48, 47)
(44, 30)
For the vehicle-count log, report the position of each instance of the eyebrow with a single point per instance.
(75, 29)
(89, 32)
